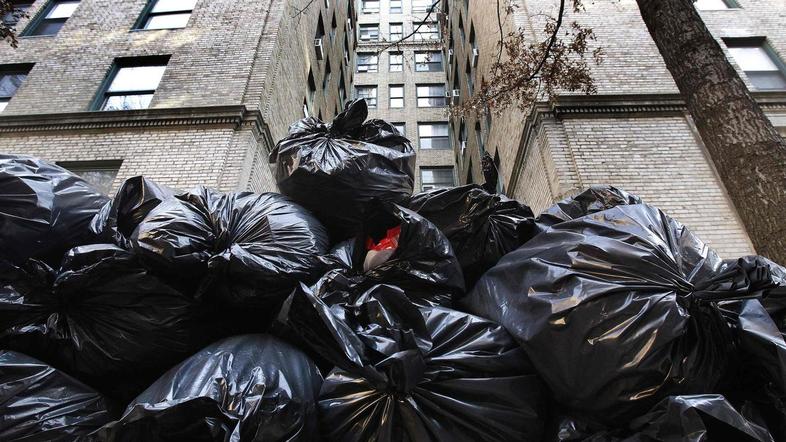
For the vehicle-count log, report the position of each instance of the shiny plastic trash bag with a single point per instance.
(482, 227)
(409, 373)
(696, 418)
(101, 318)
(134, 200)
(243, 388)
(594, 199)
(246, 249)
(335, 170)
(39, 403)
(44, 209)
(619, 309)
(423, 263)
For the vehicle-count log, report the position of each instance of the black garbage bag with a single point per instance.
(336, 170)
(243, 388)
(101, 318)
(707, 417)
(619, 309)
(421, 261)
(246, 250)
(481, 227)
(39, 403)
(134, 200)
(594, 199)
(414, 373)
(44, 209)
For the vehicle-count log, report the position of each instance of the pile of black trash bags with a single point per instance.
(348, 309)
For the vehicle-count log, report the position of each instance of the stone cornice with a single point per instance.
(236, 116)
(641, 105)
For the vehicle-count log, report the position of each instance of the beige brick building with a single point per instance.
(406, 83)
(636, 132)
(186, 92)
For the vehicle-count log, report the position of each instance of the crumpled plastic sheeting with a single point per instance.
(481, 227)
(243, 388)
(407, 373)
(594, 199)
(44, 209)
(39, 403)
(336, 170)
(246, 249)
(618, 309)
(423, 264)
(133, 201)
(694, 418)
(101, 318)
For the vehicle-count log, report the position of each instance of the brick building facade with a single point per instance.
(406, 83)
(217, 86)
(635, 133)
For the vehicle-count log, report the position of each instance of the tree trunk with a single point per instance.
(748, 152)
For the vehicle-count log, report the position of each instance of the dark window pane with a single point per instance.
(9, 83)
(49, 27)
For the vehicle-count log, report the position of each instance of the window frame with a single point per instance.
(403, 127)
(391, 64)
(442, 96)
(391, 97)
(358, 64)
(364, 10)
(19, 10)
(14, 69)
(40, 18)
(147, 12)
(417, 36)
(763, 44)
(396, 9)
(93, 165)
(432, 137)
(429, 63)
(375, 97)
(99, 101)
(435, 184)
(363, 26)
(398, 35)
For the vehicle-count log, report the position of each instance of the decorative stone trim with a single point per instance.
(235, 116)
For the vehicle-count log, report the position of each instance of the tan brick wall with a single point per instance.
(655, 155)
(250, 52)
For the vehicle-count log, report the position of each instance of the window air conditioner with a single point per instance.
(318, 48)
(456, 94)
(475, 56)
(450, 55)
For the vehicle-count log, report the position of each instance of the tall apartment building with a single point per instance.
(405, 83)
(635, 133)
(186, 92)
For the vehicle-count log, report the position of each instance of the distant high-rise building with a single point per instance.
(635, 133)
(185, 92)
(400, 71)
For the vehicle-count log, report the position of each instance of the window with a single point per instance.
(470, 83)
(395, 7)
(463, 136)
(53, 17)
(305, 108)
(461, 30)
(397, 95)
(500, 185)
(370, 7)
(132, 83)
(11, 18)
(706, 5)
(426, 31)
(342, 90)
(396, 31)
(326, 77)
(479, 138)
(401, 127)
(472, 42)
(431, 95)
(421, 5)
(368, 32)
(433, 136)
(762, 67)
(396, 62)
(320, 29)
(428, 61)
(11, 77)
(436, 178)
(166, 14)
(367, 62)
(369, 93)
(101, 174)
(333, 27)
(312, 86)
